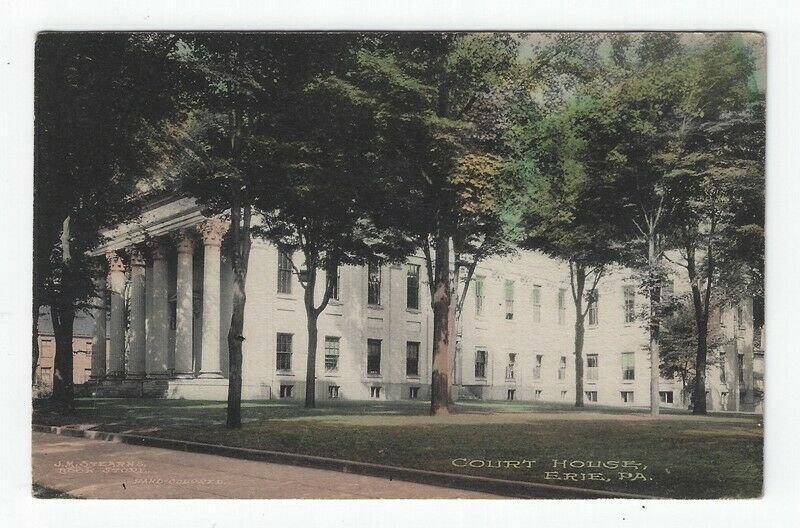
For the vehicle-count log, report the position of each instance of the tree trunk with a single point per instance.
(699, 392)
(701, 322)
(579, 336)
(63, 387)
(654, 348)
(240, 249)
(441, 328)
(235, 340)
(35, 343)
(578, 280)
(311, 325)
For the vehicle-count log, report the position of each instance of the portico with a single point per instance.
(163, 313)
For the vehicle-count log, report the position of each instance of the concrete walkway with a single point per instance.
(113, 470)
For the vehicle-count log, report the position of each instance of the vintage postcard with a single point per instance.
(357, 265)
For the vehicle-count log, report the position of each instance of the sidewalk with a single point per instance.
(113, 470)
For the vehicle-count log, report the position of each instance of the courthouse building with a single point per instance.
(164, 333)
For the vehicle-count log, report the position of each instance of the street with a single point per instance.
(112, 470)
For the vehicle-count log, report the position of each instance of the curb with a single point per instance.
(508, 488)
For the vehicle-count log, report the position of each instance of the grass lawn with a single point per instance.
(679, 455)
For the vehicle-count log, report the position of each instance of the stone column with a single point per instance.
(116, 284)
(99, 334)
(136, 365)
(184, 298)
(212, 230)
(158, 317)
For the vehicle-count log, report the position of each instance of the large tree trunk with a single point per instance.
(578, 280)
(440, 301)
(240, 249)
(311, 326)
(654, 324)
(699, 392)
(701, 322)
(35, 343)
(63, 387)
(579, 336)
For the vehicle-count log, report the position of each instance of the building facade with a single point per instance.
(163, 332)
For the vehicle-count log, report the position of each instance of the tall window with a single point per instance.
(629, 303)
(722, 371)
(511, 367)
(562, 306)
(740, 316)
(373, 356)
(480, 363)
(284, 273)
(593, 315)
(374, 285)
(335, 289)
(741, 368)
(480, 295)
(331, 354)
(412, 358)
(412, 287)
(509, 289)
(562, 368)
(536, 301)
(591, 367)
(284, 348)
(628, 369)
(537, 367)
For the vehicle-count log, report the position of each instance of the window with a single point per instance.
(374, 392)
(480, 363)
(331, 354)
(537, 368)
(562, 368)
(740, 317)
(628, 369)
(335, 289)
(562, 306)
(412, 287)
(284, 273)
(412, 358)
(665, 396)
(413, 393)
(591, 396)
(480, 295)
(627, 396)
(374, 356)
(723, 375)
(509, 299)
(593, 315)
(333, 392)
(629, 303)
(591, 367)
(284, 348)
(741, 368)
(374, 285)
(563, 395)
(286, 391)
(723, 401)
(536, 301)
(512, 362)
(537, 395)
(512, 394)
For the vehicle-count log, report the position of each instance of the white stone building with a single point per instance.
(170, 305)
